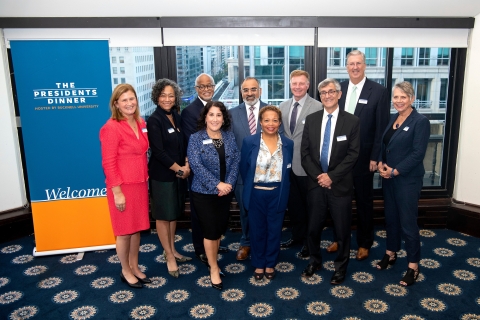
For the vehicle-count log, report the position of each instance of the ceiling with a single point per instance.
(187, 8)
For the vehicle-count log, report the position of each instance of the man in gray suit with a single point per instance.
(244, 123)
(294, 112)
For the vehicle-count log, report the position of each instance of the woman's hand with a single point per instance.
(119, 198)
(386, 171)
(224, 189)
(186, 172)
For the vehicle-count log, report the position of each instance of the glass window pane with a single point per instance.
(221, 62)
(138, 70)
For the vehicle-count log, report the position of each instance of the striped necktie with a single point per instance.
(251, 121)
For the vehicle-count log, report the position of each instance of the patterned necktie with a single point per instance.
(352, 103)
(251, 121)
(325, 145)
(293, 118)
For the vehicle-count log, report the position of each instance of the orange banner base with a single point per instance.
(72, 224)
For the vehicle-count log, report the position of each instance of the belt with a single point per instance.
(264, 188)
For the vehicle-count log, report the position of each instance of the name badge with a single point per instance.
(171, 130)
(406, 129)
(363, 101)
(289, 165)
(144, 130)
(208, 141)
(342, 138)
(303, 121)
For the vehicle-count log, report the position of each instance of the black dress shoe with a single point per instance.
(290, 243)
(218, 286)
(338, 277)
(222, 249)
(310, 270)
(137, 284)
(144, 280)
(304, 253)
(202, 257)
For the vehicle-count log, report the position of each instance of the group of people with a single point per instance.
(308, 156)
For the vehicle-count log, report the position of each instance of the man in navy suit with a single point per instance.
(245, 123)
(369, 101)
(329, 150)
(205, 87)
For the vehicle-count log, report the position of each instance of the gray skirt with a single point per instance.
(168, 199)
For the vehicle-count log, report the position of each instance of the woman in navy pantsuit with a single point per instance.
(404, 144)
(265, 164)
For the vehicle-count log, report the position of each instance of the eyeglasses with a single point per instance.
(330, 93)
(207, 87)
(246, 90)
(354, 64)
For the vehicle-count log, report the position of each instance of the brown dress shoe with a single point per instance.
(333, 247)
(242, 253)
(362, 254)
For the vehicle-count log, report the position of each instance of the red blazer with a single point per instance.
(124, 157)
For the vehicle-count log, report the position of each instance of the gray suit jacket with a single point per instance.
(311, 106)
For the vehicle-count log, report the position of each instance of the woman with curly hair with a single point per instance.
(168, 168)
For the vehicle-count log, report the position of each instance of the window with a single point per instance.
(114, 59)
(122, 70)
(371, 55)
(407, 57)
(443, 56)
(122, 80)
(121, 59)
(335, 59)
(424, 56)
(443, 93)
(115, 80)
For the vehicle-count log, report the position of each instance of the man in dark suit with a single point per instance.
(330, 148)
(205, 87)
(245, 123)
(369, 101)
(294, 112)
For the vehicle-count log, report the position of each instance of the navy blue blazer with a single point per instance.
(205, 162)
(406, 149)
(190, 117)
(240, 127)
(374, 116)
(248, 163)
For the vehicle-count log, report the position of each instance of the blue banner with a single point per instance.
(63, 90)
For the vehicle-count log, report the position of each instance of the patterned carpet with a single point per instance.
(60, 287)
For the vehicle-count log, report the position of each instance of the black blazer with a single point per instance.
(166, 144)
(343, 156)
(190, 117)
(374, 116)
(406, 149)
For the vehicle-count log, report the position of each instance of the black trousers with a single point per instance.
(320, 200)
(363, 185)
(297, 207)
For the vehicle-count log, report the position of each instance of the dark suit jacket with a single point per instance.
(374, 116)
(248, 164)
(343, 156)
(167, 147)
(406, 149)
(240, 126)
(190, 117)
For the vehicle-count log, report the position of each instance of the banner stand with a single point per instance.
(74, 250)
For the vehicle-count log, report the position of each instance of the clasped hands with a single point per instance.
(224, 189)
(324, 181)
(384, 170)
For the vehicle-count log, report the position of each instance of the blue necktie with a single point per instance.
(325, 145)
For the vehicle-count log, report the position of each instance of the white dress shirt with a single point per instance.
(349, 93)
(332, 130)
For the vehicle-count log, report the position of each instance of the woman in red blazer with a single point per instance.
(124, 159)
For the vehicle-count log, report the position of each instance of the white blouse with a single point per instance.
(269, 166)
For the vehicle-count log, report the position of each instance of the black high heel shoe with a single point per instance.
(410, 277)
(387, 260)
(137, 284)
(258, 275)
(218, 286)
(270, 275)
(144, 280)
